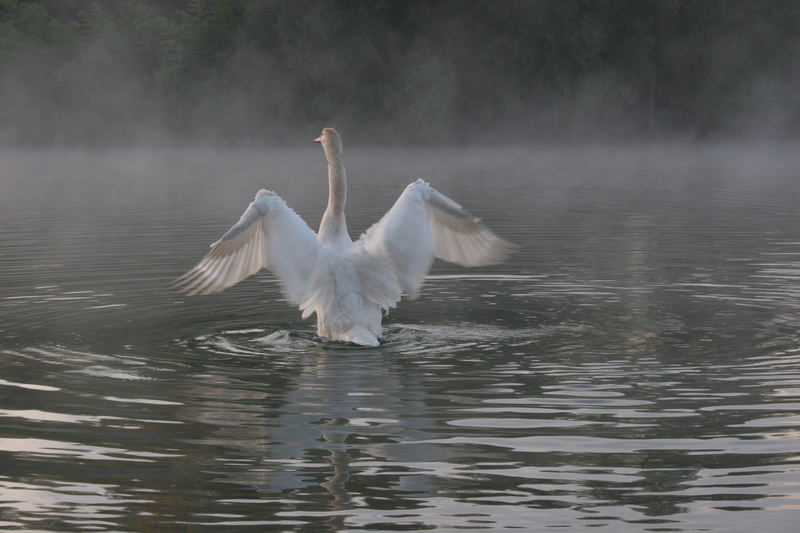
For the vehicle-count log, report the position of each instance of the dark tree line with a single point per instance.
(100, 71)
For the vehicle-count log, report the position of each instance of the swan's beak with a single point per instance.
(318, 139)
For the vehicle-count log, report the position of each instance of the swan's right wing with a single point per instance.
(423, 224)
(268, 234)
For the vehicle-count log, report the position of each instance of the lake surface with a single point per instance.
(635, 366)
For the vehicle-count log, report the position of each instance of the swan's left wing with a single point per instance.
(424, 224)
(268, 234)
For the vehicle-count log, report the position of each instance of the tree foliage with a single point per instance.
(425, 71)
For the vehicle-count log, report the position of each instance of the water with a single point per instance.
(634, 367)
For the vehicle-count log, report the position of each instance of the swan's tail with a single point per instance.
(359, 335)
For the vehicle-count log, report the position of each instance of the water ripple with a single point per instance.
(634, 366)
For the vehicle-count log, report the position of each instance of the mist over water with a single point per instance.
(244, 72)
(633, 367)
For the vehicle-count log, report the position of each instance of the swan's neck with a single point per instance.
(334, 226)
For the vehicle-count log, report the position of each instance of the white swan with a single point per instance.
(347, 284)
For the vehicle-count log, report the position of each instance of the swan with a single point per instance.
(346, 284)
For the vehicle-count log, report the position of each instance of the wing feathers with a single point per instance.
(460, 237)
(424, 224)
(267, 224)
(421, 225)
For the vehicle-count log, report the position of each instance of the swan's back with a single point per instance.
(348, 291)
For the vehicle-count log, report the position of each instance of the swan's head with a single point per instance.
(331, 142)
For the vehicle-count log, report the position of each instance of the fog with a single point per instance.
(240, 72)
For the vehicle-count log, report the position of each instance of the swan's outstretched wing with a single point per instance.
(269, 234)
(424, 224)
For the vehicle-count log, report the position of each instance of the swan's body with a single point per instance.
(346, 284)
